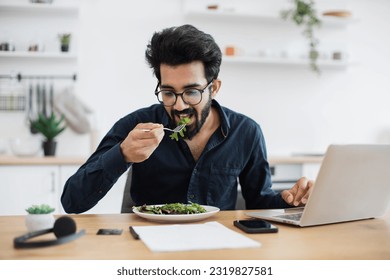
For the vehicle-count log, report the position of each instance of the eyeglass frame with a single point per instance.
(201, 91)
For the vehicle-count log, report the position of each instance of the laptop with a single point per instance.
(353, 183)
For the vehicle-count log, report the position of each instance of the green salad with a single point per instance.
(171, 209)
(175, 135)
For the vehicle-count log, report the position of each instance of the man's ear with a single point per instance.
(215, 88)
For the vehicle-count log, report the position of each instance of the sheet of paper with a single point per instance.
(186, 237)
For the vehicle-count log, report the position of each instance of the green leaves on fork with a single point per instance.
(175, 135)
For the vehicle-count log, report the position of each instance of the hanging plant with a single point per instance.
(304, 14)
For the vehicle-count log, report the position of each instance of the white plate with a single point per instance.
(210, 211)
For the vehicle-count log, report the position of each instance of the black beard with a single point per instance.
(199, 122)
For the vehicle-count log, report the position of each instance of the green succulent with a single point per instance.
(65, 38)
(40, 209)
(49, 126)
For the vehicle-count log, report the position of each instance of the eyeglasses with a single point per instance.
(190, 96)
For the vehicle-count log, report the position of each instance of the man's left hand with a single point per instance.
(299, 193)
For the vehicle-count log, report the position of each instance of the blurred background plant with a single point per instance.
(304, 14)
(50, 127)
(40, 209)
(65, 41)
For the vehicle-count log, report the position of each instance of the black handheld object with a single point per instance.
(64, 229)
(133, 233)
(109, 231)
(255, 226)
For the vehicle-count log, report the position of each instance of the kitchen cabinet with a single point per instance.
(24, 185)
(259, 36)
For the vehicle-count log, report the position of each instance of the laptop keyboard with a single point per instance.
(294, 217)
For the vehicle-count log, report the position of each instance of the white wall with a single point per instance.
(298, 110)
(114, 77)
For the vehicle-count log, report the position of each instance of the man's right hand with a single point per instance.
(141, 142)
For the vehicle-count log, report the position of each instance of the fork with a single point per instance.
(176, 129)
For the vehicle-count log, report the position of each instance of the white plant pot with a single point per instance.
(36, 222)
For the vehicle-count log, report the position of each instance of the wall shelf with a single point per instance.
(37, 25)
(327, 21)
(282, 61)
(262, 37)
(51, 55)
(33, 8)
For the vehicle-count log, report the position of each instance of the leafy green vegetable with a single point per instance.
(175, 135)
(172, 209)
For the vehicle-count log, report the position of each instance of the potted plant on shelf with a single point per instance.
(39, 217)
(50, 127)
(65, 41)
(303, 13)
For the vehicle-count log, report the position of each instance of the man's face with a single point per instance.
(181, 77)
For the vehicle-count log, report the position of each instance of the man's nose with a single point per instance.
(180, 105)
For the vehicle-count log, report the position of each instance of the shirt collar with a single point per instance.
(225, 124)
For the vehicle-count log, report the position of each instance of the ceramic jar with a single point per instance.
(36, 222)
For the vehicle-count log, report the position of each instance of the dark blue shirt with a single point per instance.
(236, 151)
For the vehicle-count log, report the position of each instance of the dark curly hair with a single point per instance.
(184, 44)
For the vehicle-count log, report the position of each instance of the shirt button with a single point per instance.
(191, 196)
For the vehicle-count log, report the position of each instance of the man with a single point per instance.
(219, 145)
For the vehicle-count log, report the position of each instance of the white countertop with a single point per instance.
(294, 159)
(47, 160)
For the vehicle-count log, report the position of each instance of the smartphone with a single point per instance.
(255, 226)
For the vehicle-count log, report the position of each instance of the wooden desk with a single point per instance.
(366, 239)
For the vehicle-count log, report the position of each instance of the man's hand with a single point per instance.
(141, 142)
(299, 193)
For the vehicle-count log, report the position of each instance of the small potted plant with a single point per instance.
(49, 127)
(39, 217)
(65, 41)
